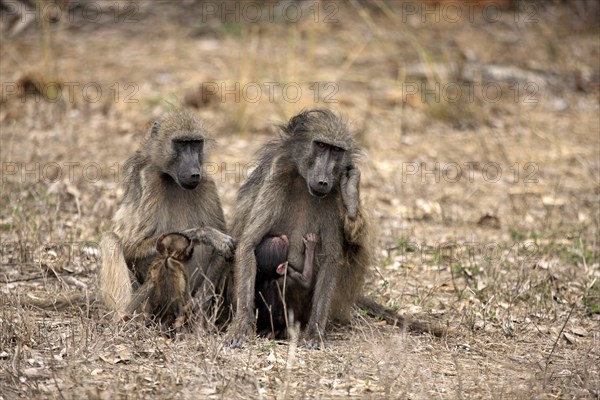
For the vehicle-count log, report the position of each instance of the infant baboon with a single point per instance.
(275, 276)
(166, 191)
(271, 259)
(165, 295)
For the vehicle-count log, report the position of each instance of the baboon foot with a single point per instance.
(239, 335)
(314, 340)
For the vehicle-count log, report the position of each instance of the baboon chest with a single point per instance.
(179, 210)
(304, 214)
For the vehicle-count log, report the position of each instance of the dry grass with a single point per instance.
(512, 265)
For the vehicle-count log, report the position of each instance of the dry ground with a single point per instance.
(511, 262)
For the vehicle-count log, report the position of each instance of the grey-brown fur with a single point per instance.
(295, 189)
(165, 294)
(155, 202)
(276, 279)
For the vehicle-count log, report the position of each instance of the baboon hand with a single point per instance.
(350, 181)
(310, 241)
(223, 244)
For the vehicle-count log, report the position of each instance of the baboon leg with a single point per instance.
(141, 253)
(115, 282)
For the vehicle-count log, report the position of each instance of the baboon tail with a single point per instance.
(376, 310)
(115, 284)
(61, 302)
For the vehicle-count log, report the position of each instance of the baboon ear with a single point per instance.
(154, 129)
(297, 123)
(189, 250)
(358, 156)
(281, 268)
(160, 246)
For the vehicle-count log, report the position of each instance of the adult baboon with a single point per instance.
(275, 278)
(302, 184)
(165, 191)
(307, 181)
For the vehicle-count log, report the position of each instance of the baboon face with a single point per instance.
(325, 165)
(178, 142)
(186, 165)
(322, 148)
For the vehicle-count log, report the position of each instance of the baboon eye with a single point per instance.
(336, 149)
(321, 145)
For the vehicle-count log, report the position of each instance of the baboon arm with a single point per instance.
(222, 243)
(350, 191)
(262, 213)
(244, 281)
(354, 229)
(259, 224)
(299, 278)
(305, 278)
(208, 287)
(325, 287)
(141, 250)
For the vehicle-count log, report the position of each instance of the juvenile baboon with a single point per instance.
(304, 184)
(166, 191)
(165, 295)
(275, 278)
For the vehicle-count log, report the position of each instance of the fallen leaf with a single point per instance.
(109, 360)
(579, 331)
(36, 373)
(125, 354)
(570, 338)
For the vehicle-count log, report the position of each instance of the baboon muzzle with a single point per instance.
(190, 173)
(191, 180)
